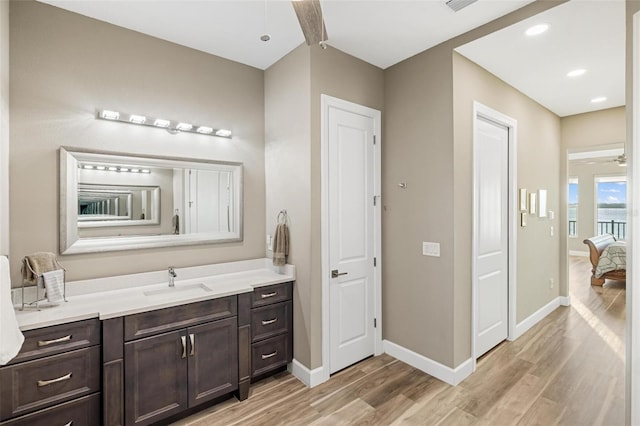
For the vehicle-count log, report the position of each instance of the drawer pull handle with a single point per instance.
(49, 342)
(271, 321)
(192, 340)
(270, 355)
(184, 346)
(268, 295)
(42, 383)
(69, 424)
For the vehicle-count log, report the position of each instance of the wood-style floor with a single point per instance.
(568, 370)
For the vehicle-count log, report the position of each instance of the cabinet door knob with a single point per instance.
(192, 340)
(184, 346)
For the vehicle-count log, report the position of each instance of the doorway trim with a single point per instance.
(326, 103)
(480, 110)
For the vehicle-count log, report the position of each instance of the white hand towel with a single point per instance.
(54, 285)
(11, 337)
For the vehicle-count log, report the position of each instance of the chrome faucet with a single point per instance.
(172, 276)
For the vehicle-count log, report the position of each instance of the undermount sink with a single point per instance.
(180, 290)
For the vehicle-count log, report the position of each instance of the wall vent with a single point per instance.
(456, 5)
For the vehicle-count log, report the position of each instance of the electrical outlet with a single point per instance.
(269, 242)
(551, 282)
(431, 249)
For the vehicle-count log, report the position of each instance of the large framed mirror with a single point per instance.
(115, 201)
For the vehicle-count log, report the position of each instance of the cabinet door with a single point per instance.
(213, 360)
(155, 377)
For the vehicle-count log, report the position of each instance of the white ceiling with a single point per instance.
(381, 32)
(582, 34)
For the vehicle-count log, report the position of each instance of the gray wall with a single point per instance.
(4, 127)
(64, 67)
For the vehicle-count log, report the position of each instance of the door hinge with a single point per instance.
(375, 323)
(375, 262)
(374, 139)
(374, 201)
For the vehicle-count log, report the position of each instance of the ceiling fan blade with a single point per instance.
(309, 14)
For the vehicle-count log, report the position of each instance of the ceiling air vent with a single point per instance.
(456, 5)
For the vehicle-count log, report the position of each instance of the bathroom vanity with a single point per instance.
(139, 353)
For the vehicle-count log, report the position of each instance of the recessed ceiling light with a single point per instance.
(537, 30)
(598, 99)
(576, 73)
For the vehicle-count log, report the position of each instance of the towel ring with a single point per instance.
(282, 217)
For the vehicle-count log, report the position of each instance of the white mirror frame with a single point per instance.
(71, 243)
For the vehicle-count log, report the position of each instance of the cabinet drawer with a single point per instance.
(58, 338)
(270, 354)
(32, 385)
(162, 320)
(270, 320)
(79, 412)
(271, 294)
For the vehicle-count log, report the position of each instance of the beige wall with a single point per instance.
(64, 67)
(4, 127)
(293, 178)
(336, 74)
(538, 164)
(287, 92)
(426, 301)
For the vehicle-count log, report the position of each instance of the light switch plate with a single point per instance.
(269, 242)
(431, 249)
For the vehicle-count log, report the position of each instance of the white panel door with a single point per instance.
(491, 234)
(351, 237)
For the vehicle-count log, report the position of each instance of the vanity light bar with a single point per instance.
(111, 168)
(170, 125)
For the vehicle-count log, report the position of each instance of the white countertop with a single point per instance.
(113, 297)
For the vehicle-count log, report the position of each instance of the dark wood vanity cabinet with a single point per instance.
(55, 379)
(271, 329)
(171, 359)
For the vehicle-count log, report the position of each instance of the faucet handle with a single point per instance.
(172, 271)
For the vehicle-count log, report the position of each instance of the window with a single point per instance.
(611, 195)
(573, 207)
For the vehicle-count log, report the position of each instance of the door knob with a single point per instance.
(336, 274)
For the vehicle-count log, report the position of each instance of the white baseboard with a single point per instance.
(310, 378)
(539, 315)
(565, 300)
(578, 253)
(449, 375)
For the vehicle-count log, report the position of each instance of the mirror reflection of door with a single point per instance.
(209, 201)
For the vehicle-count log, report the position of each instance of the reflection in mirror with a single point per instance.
(116, 205)
(114, 201)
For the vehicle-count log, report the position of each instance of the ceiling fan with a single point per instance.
(621, 160)
(309, 13)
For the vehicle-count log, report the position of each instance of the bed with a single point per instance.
(608, 259)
